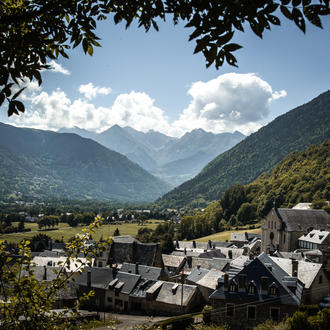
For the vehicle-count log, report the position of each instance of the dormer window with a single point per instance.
(233, 287)
(252, 288)
(273, 290)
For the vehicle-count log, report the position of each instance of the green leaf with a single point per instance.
(90, 50)
(16, 95)
(231, 47)
(274, 20)
(299, 19)
(286, 12)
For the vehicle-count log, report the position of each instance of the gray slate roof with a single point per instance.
(128, 249)
(316, 236)
(146, 272)
(140, 291)
(197, 274)
(100, 277)
(302, 220)
(170, 293)
(254, 271)
(129, 280)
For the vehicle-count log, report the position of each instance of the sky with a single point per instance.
(154, 81)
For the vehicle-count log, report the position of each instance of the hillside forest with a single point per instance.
(300, 177)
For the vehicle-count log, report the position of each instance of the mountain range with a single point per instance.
(293, 131)
(45, 165)
(174, 160)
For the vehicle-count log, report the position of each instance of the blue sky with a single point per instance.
(153, 81)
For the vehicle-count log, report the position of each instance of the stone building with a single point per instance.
(261, 290)
(128, 249)
(283, 227)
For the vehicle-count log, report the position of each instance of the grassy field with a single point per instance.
(225, 235)
(65, 231)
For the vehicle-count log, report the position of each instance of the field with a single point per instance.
(225, 235)
(65, 231)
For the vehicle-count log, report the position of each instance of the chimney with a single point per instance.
(264, 285)
(45, 273)
(210, 244)
(185, 251)
(198, 266)
(177, 244)
(136, 268)
(194, 244)
(294, 268)
(226, 281)
(241, 282)
(89, 278)
(230, 254)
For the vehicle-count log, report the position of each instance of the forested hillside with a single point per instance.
(300, 177)
(44, 165)
(294, 131)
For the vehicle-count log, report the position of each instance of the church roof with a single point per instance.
(302, 220)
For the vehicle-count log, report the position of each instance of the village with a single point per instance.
(243, 282)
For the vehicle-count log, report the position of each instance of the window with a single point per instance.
(273, 291)
(283, 238)
(251, 312)
(100, 264)
(230, 310)
(118, 302)
(320, 279)
(252, 289)
(109, 299)
(233, 287)
(275, 314)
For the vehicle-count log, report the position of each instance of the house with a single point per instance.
(215, 253)
(168, 298)
(205, 279)
(173, 264)
(283, 227)
(205, 263)
(120, 288)
(243, 238)
(74, 268)
(315, 240)
(96, 279)
(261, 290)
(314, 277)
(128, 249)
(66, 296)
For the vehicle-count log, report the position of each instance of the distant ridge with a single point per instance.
(174, 160)
(293, 131)
(44, 165)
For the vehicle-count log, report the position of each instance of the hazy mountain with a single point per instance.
(294, 131)
(44, 164)
(174, 160)
(80, 131)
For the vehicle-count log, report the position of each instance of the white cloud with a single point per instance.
(90, 91)
(56, 110)
(229, 102)
(56, 67)
(225, 104)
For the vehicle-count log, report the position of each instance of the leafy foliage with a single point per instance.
(294, 131)
(27, 303)
(34, 31)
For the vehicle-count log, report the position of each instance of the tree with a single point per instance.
(27, 303)
(34, 31)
